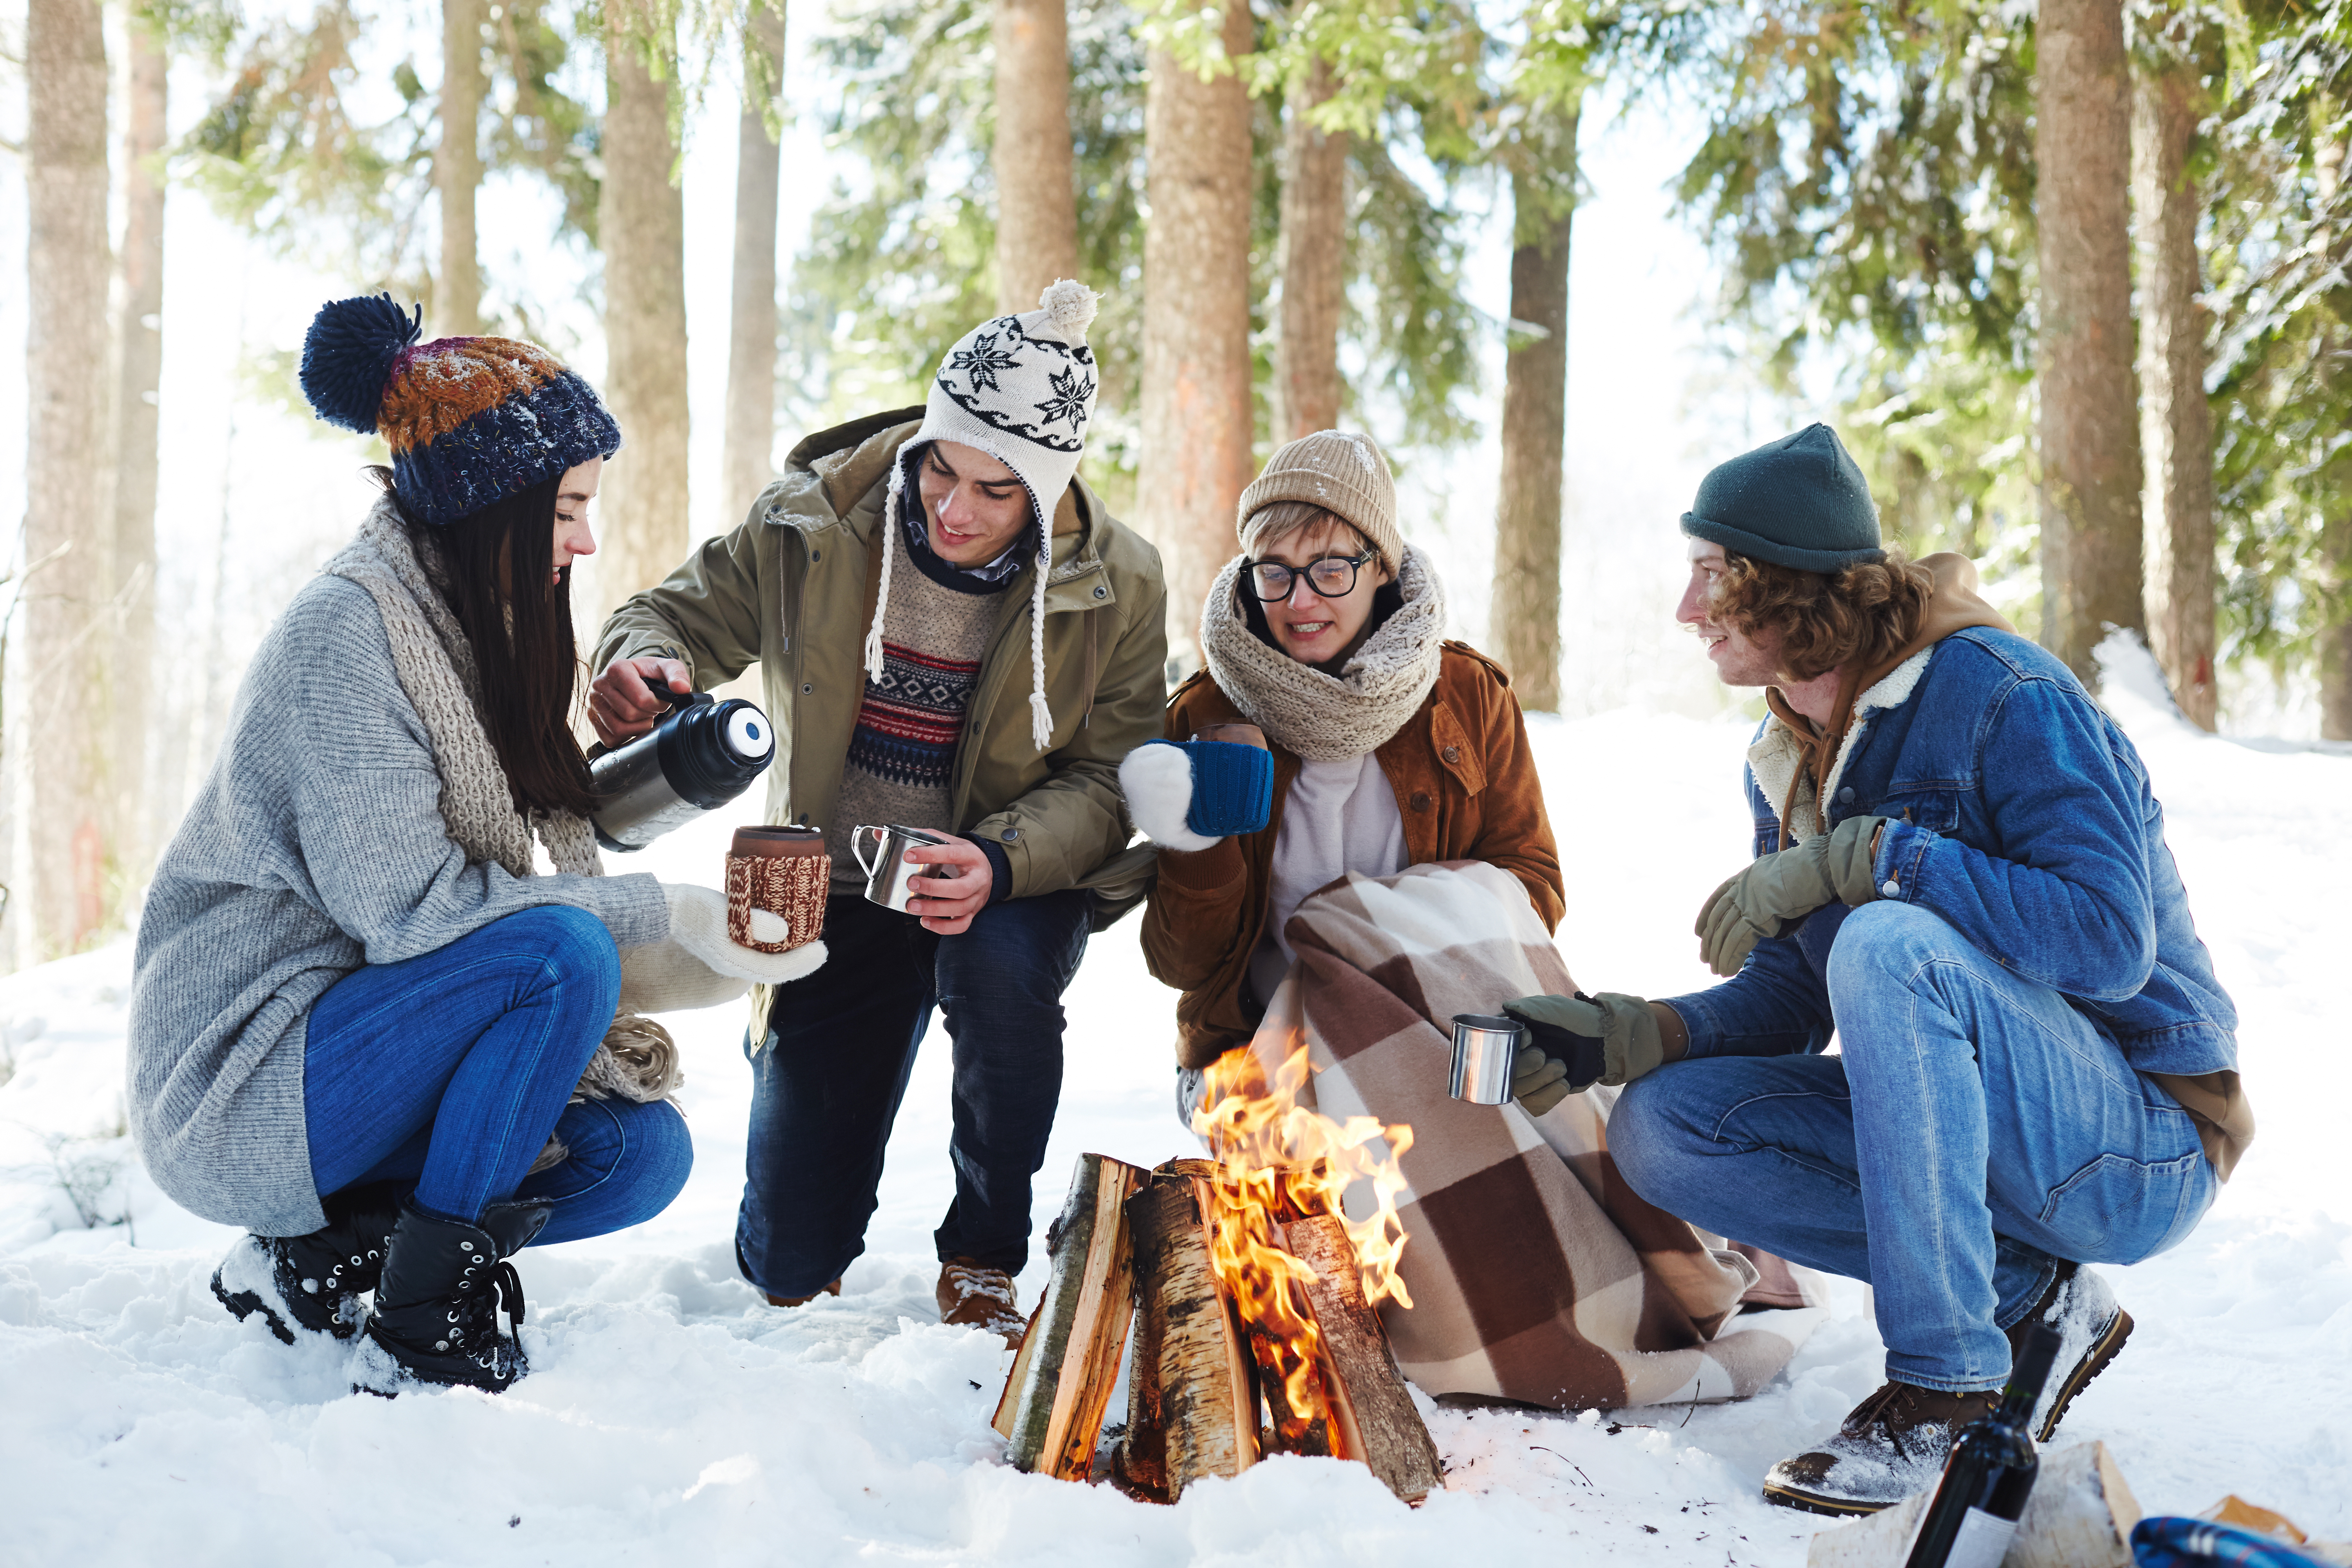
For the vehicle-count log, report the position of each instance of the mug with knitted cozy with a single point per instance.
(782, 874)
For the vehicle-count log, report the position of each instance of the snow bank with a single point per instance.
(673, 1417)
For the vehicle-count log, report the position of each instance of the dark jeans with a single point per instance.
(827, 1084)
(446, 1072)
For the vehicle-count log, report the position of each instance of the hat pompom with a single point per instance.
(1069, 308)
(348, 355)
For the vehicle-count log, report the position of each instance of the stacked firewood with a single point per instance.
(1209, 1390)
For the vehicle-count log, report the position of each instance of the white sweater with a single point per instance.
(1338, 817)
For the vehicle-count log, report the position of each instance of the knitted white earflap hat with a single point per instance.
(1022, 389)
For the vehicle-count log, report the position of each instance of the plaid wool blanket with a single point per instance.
(1536, 1273)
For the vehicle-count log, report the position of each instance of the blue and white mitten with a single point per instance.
(1189, 794)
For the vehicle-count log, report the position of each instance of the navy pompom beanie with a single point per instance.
(470, 421)
(1799, 503)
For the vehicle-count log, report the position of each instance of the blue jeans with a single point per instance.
(447, 1072)
(1975, 1130)
(826, 1083)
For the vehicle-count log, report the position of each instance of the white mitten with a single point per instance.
(698, 923)
(663, 977)
(1157, 782)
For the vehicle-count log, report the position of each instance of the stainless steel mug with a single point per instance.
(1483, 1048)
(889, 881)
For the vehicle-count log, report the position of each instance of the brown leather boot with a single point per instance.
(982, 1297)
(832, 1290)
(1894, 1444)
(2092, 1327)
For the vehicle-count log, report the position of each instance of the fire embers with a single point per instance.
(1252, 1298)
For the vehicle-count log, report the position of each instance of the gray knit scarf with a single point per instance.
(1323, 718)
(637, 1061)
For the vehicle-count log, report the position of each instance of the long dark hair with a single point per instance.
(492, 567)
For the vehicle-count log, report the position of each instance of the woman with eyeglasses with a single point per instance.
(1384, 745)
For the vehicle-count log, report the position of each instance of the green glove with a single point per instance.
(1567, 1029)
(1539, 1082)
(1777, 890)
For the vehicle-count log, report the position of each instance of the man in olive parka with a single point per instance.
(954, 635)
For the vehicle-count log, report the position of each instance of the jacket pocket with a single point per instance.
(1454, 752)
(2120, 1210)
(1937, 810)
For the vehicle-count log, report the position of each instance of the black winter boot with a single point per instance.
(313, 1281)
(436, 1308)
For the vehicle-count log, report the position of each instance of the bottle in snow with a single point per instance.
(1991, 1473)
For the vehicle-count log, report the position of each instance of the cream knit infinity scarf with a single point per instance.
(1323, 718)
(637, 1061)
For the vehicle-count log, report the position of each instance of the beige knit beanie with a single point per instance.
(1344, 473)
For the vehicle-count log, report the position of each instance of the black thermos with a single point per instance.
(700, 756)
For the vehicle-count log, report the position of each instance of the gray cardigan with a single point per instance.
(316, 847)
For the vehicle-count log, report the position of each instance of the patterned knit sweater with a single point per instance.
(902, 762)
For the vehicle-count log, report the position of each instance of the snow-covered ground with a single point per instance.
(672, 1416)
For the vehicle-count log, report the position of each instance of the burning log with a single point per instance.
(1191, 1411)
(1374, 1416)
(1052, 1411)
(1252, 1295)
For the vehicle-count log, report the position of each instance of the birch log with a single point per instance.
(1195, 1390)
(1069, 1359)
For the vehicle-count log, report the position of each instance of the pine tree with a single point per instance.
(2170, 102)
(2089, 427)
(749, 456)
(138, 421)
(1313, 264)
(458, 170)
(1031, 154)
(68, 453)
(640, 220)
(1525, 610)
(1197, 419)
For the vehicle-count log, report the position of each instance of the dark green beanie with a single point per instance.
(1798, 502)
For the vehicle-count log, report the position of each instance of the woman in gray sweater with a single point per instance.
(364, 1025)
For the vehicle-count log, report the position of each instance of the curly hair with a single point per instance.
(1864, 614)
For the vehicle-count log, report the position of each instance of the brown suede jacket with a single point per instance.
(1466, 785)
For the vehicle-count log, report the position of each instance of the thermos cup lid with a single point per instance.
(747, 732)
(777, 843)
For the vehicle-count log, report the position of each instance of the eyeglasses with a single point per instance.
(1333, 577)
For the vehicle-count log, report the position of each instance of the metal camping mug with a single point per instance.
(889, 881)
(1483, 1048)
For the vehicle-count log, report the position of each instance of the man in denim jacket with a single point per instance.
(1960, 873)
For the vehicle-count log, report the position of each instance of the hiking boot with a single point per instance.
(1894, 1444)
(2092, 1329)
(313, 1283)
(980, 1298)
(436, 1307)
(832, 1290)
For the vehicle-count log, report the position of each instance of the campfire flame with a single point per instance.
(1277, 1159)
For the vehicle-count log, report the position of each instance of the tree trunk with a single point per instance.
(749, 451)
(1312, 265)
(1037, 195)
(2336, 636)
(1197, 418)
(2176, 422)
(2335, 542)
(2091, 472)
(69, 452)
(457, 171)
(1523, 616)
(137, 418)
(641, 221)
